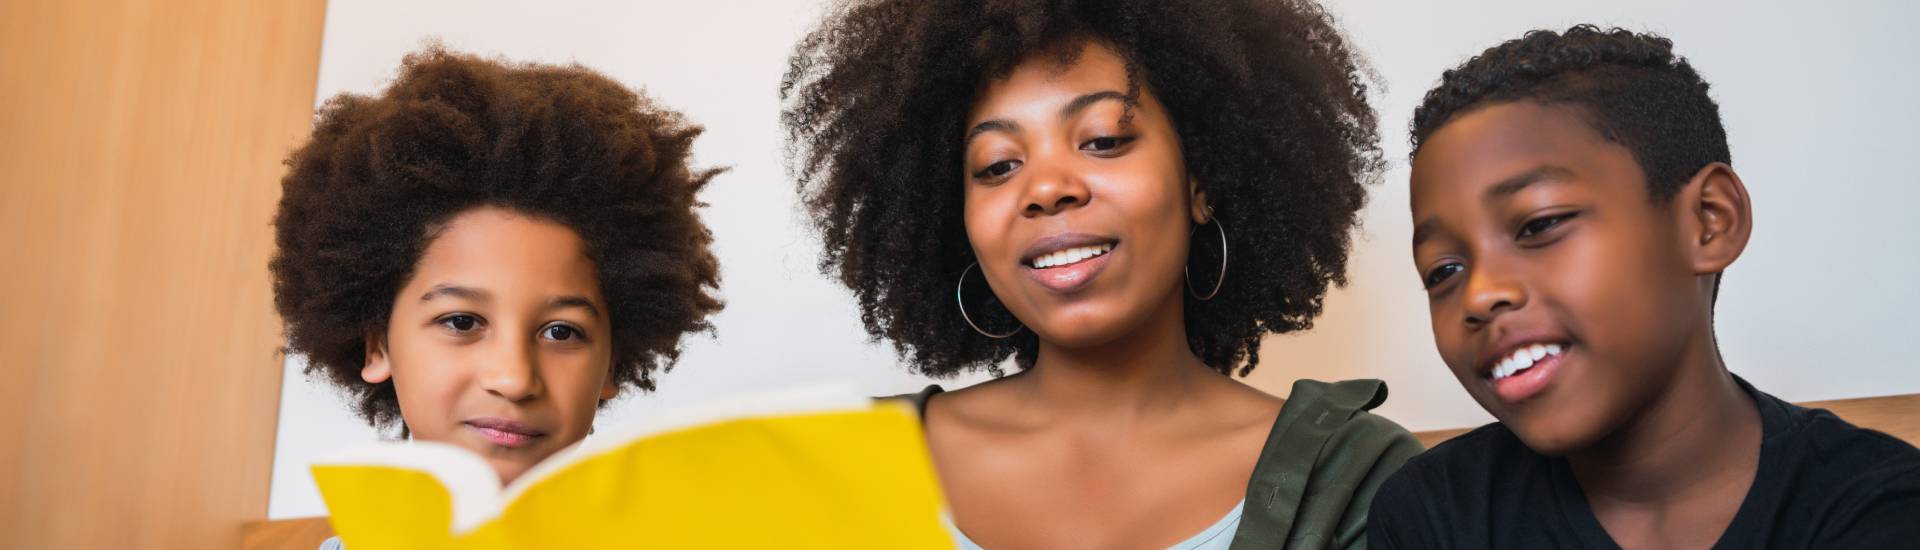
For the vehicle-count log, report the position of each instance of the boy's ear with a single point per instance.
(378, 368)
(1197, 204)
(1716, 218)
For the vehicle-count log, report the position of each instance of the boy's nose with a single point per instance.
(1489, 293)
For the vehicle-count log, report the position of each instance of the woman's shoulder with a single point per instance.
(1335, 418)
(917, 399)
(1325, 438)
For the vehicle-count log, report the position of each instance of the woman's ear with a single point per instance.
(378, 368)
(1716, 218)
(1197, 204)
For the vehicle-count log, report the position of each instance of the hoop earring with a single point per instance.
(957, 288)
(1223, 262)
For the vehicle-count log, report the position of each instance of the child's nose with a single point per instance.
(1490, 292)
(511, 373)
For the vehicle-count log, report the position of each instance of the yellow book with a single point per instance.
(798, 469)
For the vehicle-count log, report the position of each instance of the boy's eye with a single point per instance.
(460, 322)
(561, 333)
(1538, 225)
(1105, 144)
(997, 169)
(1441, 274)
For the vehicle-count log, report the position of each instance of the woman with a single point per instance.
(1125, 197)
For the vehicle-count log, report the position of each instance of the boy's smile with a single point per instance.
(1552, 274)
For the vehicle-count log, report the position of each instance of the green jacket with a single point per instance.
(1323, 461)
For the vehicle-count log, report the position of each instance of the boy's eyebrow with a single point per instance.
(1505, 188)
(1072, 109)
(456, 291)
(1509, 186)
(563, 302)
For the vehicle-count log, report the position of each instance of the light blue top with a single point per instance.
(1216, 537)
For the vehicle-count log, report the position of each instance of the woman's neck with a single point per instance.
(1143, 374)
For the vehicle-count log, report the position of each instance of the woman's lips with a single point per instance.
(1071, 277)
(505, 433)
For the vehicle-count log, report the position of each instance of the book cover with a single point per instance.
(819, 468)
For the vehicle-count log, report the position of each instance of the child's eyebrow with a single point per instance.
(461, 292)
(562, 302)
(1511, 185)
(1505, 188)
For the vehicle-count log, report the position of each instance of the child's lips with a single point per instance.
(1530, 381)
(505, 433)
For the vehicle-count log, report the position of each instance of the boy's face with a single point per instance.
(500, 343)
(1561, 295)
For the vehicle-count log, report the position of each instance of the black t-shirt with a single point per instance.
(1821, 483)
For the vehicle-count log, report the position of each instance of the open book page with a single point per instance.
(794, 469)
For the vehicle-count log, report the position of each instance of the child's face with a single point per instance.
(1534, 233)
(500, 342)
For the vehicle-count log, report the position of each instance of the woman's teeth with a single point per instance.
(1070, 256)
(1524, 358)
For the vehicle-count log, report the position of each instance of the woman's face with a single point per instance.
(1078, 208)
(500, 343)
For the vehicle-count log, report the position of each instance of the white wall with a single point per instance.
(1817, 103)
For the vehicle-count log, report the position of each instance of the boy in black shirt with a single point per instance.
(1574, 207)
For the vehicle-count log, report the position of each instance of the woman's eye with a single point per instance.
(460, 323)
(1541, 224)
(561, 333)
(1441, 274)
(1105, 143)
(997, 169)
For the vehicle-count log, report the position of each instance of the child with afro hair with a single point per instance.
(487, 252)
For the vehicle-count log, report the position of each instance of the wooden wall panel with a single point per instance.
(140, 150)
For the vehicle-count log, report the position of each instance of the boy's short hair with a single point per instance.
(1629, 86)
(381, 176)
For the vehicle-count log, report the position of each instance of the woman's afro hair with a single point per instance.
(1267, 97)
(381, 175)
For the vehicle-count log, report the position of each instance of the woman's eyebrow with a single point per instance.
(995, 125)
(1072, 109)
(1081, 103)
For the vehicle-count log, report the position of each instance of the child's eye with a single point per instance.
(998, 169)
(1106, 144)
(1441, 274)
(562, 333)
(460, 322)
(1539, 225)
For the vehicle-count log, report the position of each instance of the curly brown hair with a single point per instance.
(1267, 97)
(381, 175)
